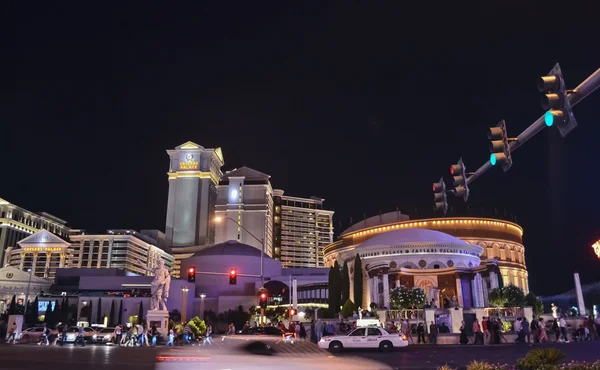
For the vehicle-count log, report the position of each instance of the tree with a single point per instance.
(12, 310)
(91, 310)
(400, 298)
(335, 291)
(141, 313)
(111, 318)
(358, 281)
(536, 305)
(120, 322)
(198, 326)
(348, 309)
(496, 298)
(99, 319)
(418, 299)
(514, 296)
(345, 283)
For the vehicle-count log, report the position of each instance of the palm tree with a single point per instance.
(99, 313)
(141, 313)
(120, 322)
(111, 318)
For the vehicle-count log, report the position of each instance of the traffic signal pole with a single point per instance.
(581, 92)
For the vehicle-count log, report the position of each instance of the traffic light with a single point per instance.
(233, 277)
(499, 146)
(262, 298)
(439, 196)
(555, 101)
(291, 312)
(191, 274)
(459, 173)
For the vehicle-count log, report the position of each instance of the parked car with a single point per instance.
(32, 335)
(106, 335)
(266, 332)
(364, 337)
(73, 331)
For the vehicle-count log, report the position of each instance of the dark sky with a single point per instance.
(362, 105)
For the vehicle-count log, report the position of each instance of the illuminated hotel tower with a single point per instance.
(194, 174)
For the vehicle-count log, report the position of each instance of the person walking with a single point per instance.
(543, 338)
(171, 338)
(433, 333)
(556, 330)
(405, 328)
(12, 332)
(80, 336)
(526, 331)
(463, 333)
(477, 335)
(535, 330)
(319, 329)
(518, 330)
(485, 325)
(562, 323)
(302, 332)
(420, 333)
(118, 334)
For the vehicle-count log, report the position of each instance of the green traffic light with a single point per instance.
(549, 118)
(493, 159)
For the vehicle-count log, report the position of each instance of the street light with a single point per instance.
(27, 293)
(184, 292)
(202, 296)
(262, 249)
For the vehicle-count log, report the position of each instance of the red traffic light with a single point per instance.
(452, 170)
(232, 272)
(263, 296)
(191, 270)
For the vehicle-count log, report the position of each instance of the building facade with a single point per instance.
(244, 208)
(22, 285)
(17, 223)
(41, 253)
(501, 240)
(194, 174)
(301, 229)
(122, 249)
(449, 270)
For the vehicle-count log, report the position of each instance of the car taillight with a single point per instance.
(404, 337)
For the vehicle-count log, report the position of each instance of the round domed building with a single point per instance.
(451, 271)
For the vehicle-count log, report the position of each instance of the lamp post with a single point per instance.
(202, 296)
(262, 249)
(27, 292)
(184, 293)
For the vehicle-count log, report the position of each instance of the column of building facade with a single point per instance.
(100, 249)
(493, 280)
(386, 291)
(459, 293)
(477, 289)
(63, 257)
(47, 267)
(22, 264)
(34, 262)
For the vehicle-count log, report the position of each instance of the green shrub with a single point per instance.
(445, 367)
(348, 309)
(581, 366)
(540, 358)
(480, 365)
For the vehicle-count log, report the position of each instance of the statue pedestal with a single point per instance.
(160, 318)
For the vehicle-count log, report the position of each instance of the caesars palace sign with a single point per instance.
(409, 249)
(189, 163)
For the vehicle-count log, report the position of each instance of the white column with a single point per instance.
(386, 291)
(397, 280)
(373, 286)
(22, 264)
(493, 280)
(459, 294)
(47, 267)
(33, 263)
(62, 259)
(100, 248)
(477, 291)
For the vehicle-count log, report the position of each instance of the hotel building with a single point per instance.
(17, 223)
(194, 174)
(244, 209)
(123, 249)
(301, 229)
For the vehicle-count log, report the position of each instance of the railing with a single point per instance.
(508, 312)
(418, 314)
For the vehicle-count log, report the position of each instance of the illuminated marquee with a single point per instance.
(406, 249)
(596, 247)
(42, 249)
(189, 163)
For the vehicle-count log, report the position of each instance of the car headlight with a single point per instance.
(94, 336)
(106, 336)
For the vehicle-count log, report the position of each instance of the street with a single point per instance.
(91, 357)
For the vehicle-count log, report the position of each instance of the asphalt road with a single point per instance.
(32, 357)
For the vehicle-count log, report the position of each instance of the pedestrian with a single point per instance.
(171, 338)
(477, 335)
(562, 323)
(302, 332)
(63, 337)
(433, 333)
(499, 331)
(543, 338)
(420, 333)
(154, 335)
(187, 333)
(535, 330)
(526, 331)
(80, 336)
(12, 332)
(463, 333)
(319, 329)
(485, 324)
(118, 334)
(556, 329)
(207, 337)
(518, 330)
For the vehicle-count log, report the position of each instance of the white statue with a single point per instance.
(159, 286)
(360, 310)
(554, 309)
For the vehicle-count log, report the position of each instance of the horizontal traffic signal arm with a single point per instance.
(577, 95)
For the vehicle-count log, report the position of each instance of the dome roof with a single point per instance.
(411, 236)
(229, 248)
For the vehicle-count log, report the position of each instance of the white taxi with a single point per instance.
(364, 337)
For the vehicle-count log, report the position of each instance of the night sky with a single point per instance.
(362, 105)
